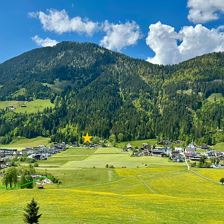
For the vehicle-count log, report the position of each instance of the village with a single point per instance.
(191, 153)
(204, 155)
(36, 153)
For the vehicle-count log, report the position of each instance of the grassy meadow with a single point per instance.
(21, 143)
(215, 97)
(15, 104)
(27, 106)
(147, 190)
(219, 146)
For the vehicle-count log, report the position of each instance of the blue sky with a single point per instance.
(18, 27)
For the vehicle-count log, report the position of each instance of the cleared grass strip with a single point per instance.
(204, 177)
(145, 184)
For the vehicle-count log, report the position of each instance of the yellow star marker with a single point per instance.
(87, 138)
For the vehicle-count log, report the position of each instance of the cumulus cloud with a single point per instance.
(44, 42)
(171, 47)
(119, 36)
(60, 22)
(162, 39)
(202, 11)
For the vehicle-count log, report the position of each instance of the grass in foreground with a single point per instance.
(162, 192)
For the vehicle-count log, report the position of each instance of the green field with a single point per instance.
(21, 143)
(215, 97)
(15, 104)
(148, 190)
(27, 107)
(219, 146)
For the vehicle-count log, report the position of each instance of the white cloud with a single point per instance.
(202, 11)
(162, 39)
(44, 42)
(119, 36)
(171, 47)
(59, 22)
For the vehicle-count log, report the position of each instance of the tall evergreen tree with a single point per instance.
(31, 215)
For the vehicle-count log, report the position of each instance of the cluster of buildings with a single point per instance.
(178, 154)
(38, 153)
(147, 150)
(5, 155)
(42, 152)
(194, 153)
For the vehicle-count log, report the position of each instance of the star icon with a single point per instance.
(87, 138)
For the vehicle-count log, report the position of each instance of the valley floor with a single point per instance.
(145, 190)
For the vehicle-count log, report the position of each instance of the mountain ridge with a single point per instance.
(100, 91)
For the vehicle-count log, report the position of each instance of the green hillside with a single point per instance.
(21, 143)
(102, 92)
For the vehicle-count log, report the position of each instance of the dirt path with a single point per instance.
(146, 185)
(204, 177)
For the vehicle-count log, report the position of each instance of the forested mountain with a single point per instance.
(105, 93)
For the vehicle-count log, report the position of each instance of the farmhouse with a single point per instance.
(210, 154)
(178, 149)
(128, 148)
(190, 148)
(42, 182)
(196, 157)
(11, 107)
(205, 147)
(177, 156)
(145, 150)
(220, 155)
(162, 151)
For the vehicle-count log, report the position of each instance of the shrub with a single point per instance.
(109, 166)
(23, 159)
(26, 181)
(30, 160)
(35, 164)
